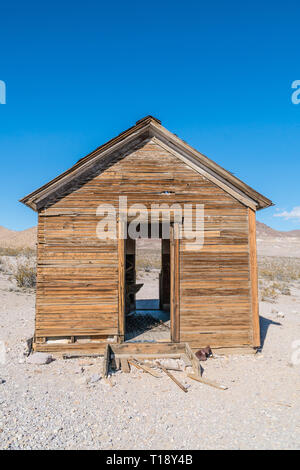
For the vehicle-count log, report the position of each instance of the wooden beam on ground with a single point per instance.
(176, 369)
(172, 377)
(206, 382)
(77, 356)
(125, 366)
(144, 368)
(195, 362)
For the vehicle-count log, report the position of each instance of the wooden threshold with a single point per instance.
(145, 350)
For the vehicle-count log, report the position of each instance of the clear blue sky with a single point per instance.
(218, 74)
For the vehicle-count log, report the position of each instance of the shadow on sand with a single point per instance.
(264, 326)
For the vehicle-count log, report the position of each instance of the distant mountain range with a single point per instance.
(264, 231)
(18, 239)
(27, 238)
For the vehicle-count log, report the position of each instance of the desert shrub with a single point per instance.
(27, 252)
(268, 294)
(25, 274)
(279, 269)
(276, 275)
(148, 262)
(282, 288)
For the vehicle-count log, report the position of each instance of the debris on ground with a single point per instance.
(207, 382)
(144, 368)
(39, 358)
(172, 377)
(136, 366)
(204, 354)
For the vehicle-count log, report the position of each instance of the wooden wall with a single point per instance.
(77, 290)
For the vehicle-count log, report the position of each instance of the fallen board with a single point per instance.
(125, 366)
(172, 377)
(144, 368)
(207, 382)
(194, 360)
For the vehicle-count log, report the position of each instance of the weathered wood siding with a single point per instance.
(77, 291)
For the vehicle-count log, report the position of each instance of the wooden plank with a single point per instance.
(121, 285)
(78, 356)
(195, 362)
(125, 366)
(254, 277)
(132, 362)
(233, 351)
(207, 382)
(176, 369)
(176, 332)
(83, 348)
(172, 377)
(149, 356)
(148, 348)
(174, 283)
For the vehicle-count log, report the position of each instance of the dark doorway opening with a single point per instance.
(147, 290)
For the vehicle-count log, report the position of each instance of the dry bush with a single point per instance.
(268, 294)
(27, 252)
(25, 274)
(147, 262)
(276, 275)
(279, 269)
(282, 288)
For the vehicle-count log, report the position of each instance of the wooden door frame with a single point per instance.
(174, 282)
(253, 278)
(121, 280)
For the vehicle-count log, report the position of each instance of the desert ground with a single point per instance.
(66, 404)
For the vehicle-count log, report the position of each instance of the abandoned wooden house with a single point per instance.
(88, 293)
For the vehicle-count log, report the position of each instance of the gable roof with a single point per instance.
(148, 128)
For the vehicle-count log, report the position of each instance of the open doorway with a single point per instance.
(147, 290)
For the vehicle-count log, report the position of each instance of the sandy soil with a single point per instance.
(55, 406)
(277, 246)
